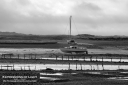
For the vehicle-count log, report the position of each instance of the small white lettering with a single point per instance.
(19, 77)
(19, 80)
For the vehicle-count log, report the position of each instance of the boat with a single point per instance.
(73, 48)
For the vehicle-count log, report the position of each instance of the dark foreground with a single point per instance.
(69, 77)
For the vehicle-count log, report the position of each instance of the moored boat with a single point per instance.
(73, 48)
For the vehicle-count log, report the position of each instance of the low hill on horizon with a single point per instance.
(11, 33)
(20, 36)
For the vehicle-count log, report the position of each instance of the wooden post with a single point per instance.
(24, 67)
(120, 59)
(7, 67)
(91, 58)
(102, 66)
(69, 67)
(76, 66)
(97, 67)
(21, 67)
(81, 66)
(62, 57)
(96, 58)
(24, 56)
(111, 59)
(35, 67)
(56, 57)
(10, 68)
(2, 56)
(18, 56)
(13, 66)
(29, 68)
(29, 56)
(91, 67)
(35, 56)
(102, 59)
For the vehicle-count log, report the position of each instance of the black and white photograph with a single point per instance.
(63, 42)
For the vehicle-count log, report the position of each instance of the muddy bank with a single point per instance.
(43, 50)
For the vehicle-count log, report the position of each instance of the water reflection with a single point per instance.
(119, 78)
(73, 58)
(52, 74)
(61, 66)
(88, 59)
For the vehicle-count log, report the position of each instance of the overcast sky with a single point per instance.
(99, 17)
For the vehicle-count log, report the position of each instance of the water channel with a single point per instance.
(61, 66)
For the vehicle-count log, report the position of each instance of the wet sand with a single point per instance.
(76, 79)
(43, 51)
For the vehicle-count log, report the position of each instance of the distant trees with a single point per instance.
(93, 37)
(109, 38)
(15, 36)
(33, 37)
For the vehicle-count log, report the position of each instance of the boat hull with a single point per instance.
(73, 50)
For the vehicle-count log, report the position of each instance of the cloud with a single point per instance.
(104, 16)
(52, 16)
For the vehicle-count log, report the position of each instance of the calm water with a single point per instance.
(88, 59)
(61, 66)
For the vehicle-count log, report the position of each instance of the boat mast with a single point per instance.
(70, 26)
